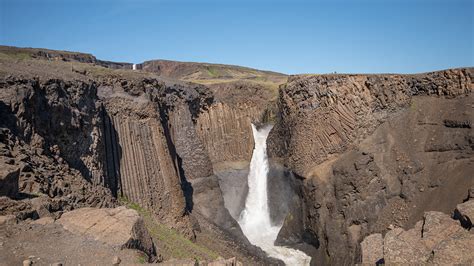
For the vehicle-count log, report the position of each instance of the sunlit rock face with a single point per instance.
(374, 150)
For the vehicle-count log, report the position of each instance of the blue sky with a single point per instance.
(353, 36)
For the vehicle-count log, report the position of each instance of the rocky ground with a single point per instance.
(437, 239)
(45, 241)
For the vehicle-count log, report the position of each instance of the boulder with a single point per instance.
(41, 205)
(9, 179)
(405, 247)
(437, 239)
(457, 250)
(437, 227)
(465, 214)
(372, 249)
(120, 227)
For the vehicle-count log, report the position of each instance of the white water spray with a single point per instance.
(255, 218)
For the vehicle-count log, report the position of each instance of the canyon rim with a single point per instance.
(346, 159)
(235, 133)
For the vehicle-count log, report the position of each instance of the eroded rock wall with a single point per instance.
(201, 186)
(143, 165)
(225, 130)
(373, 151)
(323, 114)
(51, 132)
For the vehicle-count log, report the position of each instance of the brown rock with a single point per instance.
(372, 249)
(437, 227)
(116, 260)
(458, 249)
(9, 179)
(401, 247)
(40, 204)
(465, 213)
(437, 239)
(119, 227)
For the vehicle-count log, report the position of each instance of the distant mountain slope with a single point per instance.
(205, 73)
(202, 73)
(228, 82)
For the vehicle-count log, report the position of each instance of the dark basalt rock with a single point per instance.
(371, 151)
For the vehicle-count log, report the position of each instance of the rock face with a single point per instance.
(9, 180)
(437, 239)
(342, 108)
(372, 249)
(141, 167)
(465, 213)
(226, 132)
(120, 227)
(80, 143)
(50, 132)
(374, 150)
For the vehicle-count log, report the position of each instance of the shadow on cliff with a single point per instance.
(186, 186)
(113, 155)
(8, 118)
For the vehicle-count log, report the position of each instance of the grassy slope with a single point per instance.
(215, 74)
(170, 243)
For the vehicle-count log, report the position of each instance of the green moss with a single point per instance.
(16, 55)
(142, 259)
(288, 218)
(212, 71)
(171, 241)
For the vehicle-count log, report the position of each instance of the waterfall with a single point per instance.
(255, 218)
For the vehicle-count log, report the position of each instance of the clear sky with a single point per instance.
(356, 36)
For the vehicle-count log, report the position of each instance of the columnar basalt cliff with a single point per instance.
(226, 133)
(373, 151)
(351, 156)
(51, 133)
(142, 165)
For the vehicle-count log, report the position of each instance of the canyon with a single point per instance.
(351, 158)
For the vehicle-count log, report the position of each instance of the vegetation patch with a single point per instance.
(171, 244)
(212, 72)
